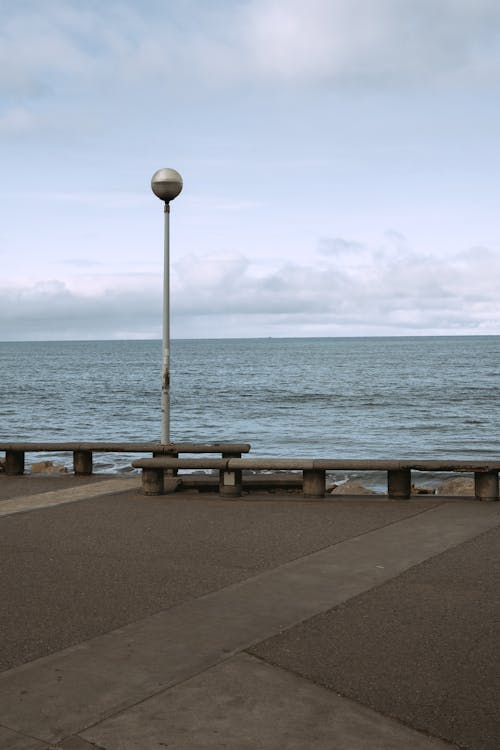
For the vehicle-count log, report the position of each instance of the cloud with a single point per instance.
(339, 246)
(384, 41)
(53, 309)
(387, 287)
(70, 46)
(19, 121)
(358, 290)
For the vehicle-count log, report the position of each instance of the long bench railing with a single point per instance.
(314, 472)
(83, 452)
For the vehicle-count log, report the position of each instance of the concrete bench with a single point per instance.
(83, 452)
(314, 472)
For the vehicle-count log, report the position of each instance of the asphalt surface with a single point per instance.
(75, 571)
(154, 616)
(423, 648)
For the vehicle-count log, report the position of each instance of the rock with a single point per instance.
(415, 490)
(457, 486)
(47, 467)
(351, 488)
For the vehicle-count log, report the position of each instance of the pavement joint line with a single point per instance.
(52, 498)
(24, 735)
(341, 703)
(86, 683)
(353, 701)
(350, 700)
(228, 657)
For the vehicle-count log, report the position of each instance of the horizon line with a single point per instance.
(252, 338)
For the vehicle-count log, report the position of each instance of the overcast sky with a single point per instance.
(341, 167)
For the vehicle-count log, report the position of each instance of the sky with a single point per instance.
(340, 159)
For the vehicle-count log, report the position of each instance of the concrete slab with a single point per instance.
(246, 704)
(63, 694)
(75, 743)
(14, 741)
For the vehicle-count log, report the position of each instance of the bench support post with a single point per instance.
(153, 482)
(486, 485)
(314, 482)
(82, 462)
(230, 483)
(14, 462)
(399, 483)
(170, 454)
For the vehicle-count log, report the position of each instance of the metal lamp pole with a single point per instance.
(166, 184)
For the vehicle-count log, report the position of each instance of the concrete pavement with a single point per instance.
(187, 621)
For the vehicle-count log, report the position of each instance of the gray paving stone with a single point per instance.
(244, 704)
(10, 740)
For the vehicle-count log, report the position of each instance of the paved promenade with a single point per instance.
(187, 621)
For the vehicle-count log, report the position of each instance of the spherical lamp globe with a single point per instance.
(166, 184)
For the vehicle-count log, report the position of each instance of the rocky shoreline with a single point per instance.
(451, 485)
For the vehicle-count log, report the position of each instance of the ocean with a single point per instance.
(395, 397)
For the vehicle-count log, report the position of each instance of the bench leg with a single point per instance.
(153, 481)
(14, 462)
(230, 483)
(486, 485)
(314, 482)
(82, 462)
(399, 483)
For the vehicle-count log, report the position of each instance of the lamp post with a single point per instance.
(166, 184)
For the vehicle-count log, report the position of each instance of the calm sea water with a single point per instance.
(422, 397)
